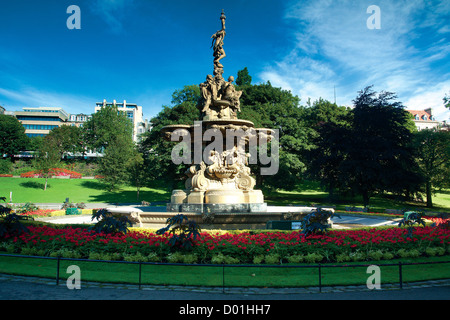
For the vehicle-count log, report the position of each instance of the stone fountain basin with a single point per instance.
(156, 217)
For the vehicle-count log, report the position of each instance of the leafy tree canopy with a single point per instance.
(370, 151)
(432, 150)
(243, 78)
(68, 138)
(12, 136)
(105, 125)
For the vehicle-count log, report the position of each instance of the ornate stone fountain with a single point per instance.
(219, 190)
(220, 181)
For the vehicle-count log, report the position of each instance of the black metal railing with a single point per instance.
(319, 267)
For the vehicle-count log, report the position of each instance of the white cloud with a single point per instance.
(334, 47)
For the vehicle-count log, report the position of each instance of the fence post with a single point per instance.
(400, 274)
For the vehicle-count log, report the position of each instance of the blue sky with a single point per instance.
(142, 50)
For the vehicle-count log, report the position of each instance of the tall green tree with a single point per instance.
(379, 153)
(323, 111)
(136, 171)
(433, 155)
(110, 132)
(48, 157)
(35, 143)
(12, 136)
(104, 126)
(68, 139)
(243, 78)
(330, 123)
(371, 151)
(271, 107)
(113, 165)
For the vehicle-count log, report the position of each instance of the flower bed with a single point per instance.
(52, 213)
(39, 213)
(55, 172)
(244, 247)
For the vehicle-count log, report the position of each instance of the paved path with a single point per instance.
(363, 220)
(343, 222)
(28, 288)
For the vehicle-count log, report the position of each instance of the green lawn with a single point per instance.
(310, 193)
(77, 190)
(89, 191)
(250, 276)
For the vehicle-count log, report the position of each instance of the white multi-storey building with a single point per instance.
(39, 121)
(132, 111)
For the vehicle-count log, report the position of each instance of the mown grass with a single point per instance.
(91, 191)
(230, 276)
(311, 194)
(77, 190)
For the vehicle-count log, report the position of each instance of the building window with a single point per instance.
(32, 135)
(39, 127)
(425, 118)
(31, 118)
(417, 117)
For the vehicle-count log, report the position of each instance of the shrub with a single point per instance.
(5, 166)
(175, 257)
(183, 231)
(95, 256)
(357, 256)
(313, 257)
(296, 258)
(10, 223)
(109, 224)
(153, 257)
(138, 257)
(272, 259)
(435, 251)
(116, 256)
(28, 251)
(413, 253)
(343, 257)
(70, 254)
(388, 255)
(190, 258)
(224, 259)
(375, 255)
(55, 254)
(258, 259)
